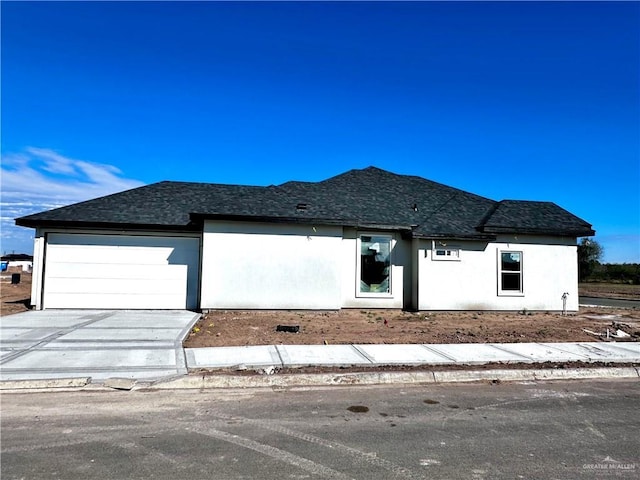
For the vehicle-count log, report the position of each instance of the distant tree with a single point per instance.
(617, 273)
(589, 255)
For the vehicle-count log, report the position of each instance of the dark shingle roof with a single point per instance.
(370, 197)
(535, 218)
(17, 257)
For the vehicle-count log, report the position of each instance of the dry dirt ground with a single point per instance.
(610, 290)
(15, 298)
(227, 328)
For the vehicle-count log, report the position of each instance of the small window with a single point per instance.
(374, 265)
(451, 254)
(510, 272)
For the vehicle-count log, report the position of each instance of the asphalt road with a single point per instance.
(577, 430)
(610, 302)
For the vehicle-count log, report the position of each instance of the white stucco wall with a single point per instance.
(400, 274)
(549, 269)
(248, 265)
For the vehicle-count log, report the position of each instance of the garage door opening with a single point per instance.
(121, 271)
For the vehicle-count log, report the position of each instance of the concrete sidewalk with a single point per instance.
(292, 356)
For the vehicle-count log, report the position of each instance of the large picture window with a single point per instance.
(374, 264)
(510, 266)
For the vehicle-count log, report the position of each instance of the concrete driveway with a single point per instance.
(136, 344)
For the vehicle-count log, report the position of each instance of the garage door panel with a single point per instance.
(123, 240)
(124, 286)
(110, 254)
(121, 271)
(116, 301)
(88, 271)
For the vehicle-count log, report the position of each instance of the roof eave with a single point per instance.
(23, 222)
(453, 236)
(561, 232)
(342, 222)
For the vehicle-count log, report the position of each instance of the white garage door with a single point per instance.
(121, 271)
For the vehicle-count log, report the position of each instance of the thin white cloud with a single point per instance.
(39, 179)
(53, 162)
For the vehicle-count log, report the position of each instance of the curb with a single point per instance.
(52, 383)
(292, 380)
(386, 378)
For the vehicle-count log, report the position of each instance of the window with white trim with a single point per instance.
(510, 273)
(374, 265)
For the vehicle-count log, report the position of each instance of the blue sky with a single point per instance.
(509, 100)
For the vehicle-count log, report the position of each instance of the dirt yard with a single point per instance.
(610, 290)
(15, 298)
(227, 328)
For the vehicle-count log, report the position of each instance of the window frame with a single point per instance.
(392, 242)
(510, 293)
(447, 257)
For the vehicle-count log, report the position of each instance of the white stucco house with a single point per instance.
(363, 239)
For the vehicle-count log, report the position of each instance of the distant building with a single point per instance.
(17, 260)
